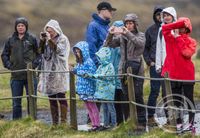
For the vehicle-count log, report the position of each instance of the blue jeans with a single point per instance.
(17, 87)
(109, 113)
(155, 89)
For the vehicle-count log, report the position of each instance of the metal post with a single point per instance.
(131, 96)
(73, 114)
(32, 101)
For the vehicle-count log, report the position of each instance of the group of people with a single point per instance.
(107, 51)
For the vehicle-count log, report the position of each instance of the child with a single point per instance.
(180, 48)
(105, 86)
(85, 87)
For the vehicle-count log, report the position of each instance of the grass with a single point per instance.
(26, 127)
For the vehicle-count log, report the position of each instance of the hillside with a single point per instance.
(74, 15)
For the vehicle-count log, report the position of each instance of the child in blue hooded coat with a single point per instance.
(85, 87)
(105, 86)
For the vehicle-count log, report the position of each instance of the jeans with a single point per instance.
(155, 89)
(109, 114)
(17, 87)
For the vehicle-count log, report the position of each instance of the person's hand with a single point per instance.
(152, 64)
(158, 70)
(111, 30)
(48, 37)
(176, 33)
(125, 30)
(71, 68)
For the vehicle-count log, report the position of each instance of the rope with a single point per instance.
(11, 71)
(48, 98)
(16, 97)
(48, 71)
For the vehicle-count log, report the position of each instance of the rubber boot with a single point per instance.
(63, 114)
(54, 114)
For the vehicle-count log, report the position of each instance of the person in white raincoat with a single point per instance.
(55, 47)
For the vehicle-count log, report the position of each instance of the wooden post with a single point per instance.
(32, 101)
(170, 101)
(131, 96)
(73, 114)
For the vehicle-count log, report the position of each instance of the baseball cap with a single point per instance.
(105, 6)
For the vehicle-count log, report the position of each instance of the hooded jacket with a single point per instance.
(135, 43)
(18, 52)
(151, 38)
(85, 87)
(96, 34)
(179, 49)
(105, 86)
(160, 44)
(54, 60)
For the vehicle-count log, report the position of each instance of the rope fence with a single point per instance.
(73, 99)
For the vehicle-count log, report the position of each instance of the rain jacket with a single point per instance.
(179, 51)
(54, 60)
(105, 86)
(160, 45)
(96, 34)
(135, 43)
(151, 38)
(85, 87)
(18, 52)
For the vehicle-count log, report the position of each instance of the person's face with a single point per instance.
(21, 28)
(182, 31)
(107, 14)
(78, 52)
(158, 16)
(130, 25)
(52, 32)
(167, 18)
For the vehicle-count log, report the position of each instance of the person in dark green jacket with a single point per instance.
(19, 50)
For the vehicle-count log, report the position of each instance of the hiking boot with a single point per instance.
(152, 121)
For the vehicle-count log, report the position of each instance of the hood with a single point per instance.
(187, 23)
(171, 11)
(104, 55)
(83, 46)
(132, 17)
(55, 25)
(99, 19)
(157, 8)
(22, 20)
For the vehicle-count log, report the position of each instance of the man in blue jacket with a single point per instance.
(97, 29)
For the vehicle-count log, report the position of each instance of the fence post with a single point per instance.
(32, 101)
(73, 114)
(170, 101)
(131, 96)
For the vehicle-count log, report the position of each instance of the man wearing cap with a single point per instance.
(97, 29)
(19, 50)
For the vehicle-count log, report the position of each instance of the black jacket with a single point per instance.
(151, 38)
(17, 53)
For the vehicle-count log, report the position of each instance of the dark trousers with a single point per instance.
(141, 111)
(154, 92)
(183, 90)
(54, 108)
(120, 111)
(17, 87)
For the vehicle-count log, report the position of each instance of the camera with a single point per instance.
(43, 34)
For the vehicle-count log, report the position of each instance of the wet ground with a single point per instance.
(45, 116)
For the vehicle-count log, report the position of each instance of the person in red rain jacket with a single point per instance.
(178, 63)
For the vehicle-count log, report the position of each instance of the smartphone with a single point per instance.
(118, 30)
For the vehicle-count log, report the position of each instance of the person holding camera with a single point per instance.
(19, 50)
(55, 48)
(131, 42)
